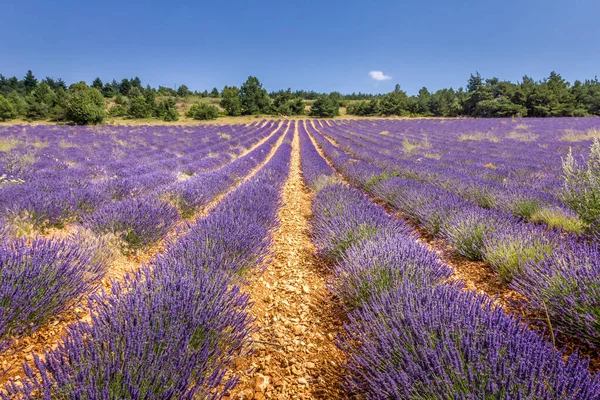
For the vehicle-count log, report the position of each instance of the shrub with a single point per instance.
(567, 285)
(345, 217)
(468, 230)
(325, 107)
(138, 222)
(231, 101)
(559, 218)
(582, 185)
(85, 105)
(511, 247)
(167, 110)
(445, 343)
(140, 108)
(39, 280)
(383, 263)
(118, 111)
(164, 335)
(203, 111)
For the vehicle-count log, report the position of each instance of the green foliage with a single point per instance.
(214, 93)
(183, 91)
(18, 102)
(341, 244)
(6, 109)
(558, 218)
(325, 107)
(40, 102)
(122, 100)
(203, 111)
(97, 84)
(85, 105)
(59, 111)
(110, 89)
(140, 108)
(254, 99)
(286, 104)
(231, 101)
(507, 253)
(29, 82)
(364, 108)
(166, 110)
(581, 189)
(118, 111)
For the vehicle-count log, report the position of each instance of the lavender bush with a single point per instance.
(41, 279)
(138, 222)
(443, 343)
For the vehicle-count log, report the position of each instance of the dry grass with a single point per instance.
(571, 135)
(522, 136)
(8, 143)
(479, 136)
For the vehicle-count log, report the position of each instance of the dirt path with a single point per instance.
(295, 356)
(49, 335)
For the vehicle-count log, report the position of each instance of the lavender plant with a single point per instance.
(138, 222)
(41, 279)
(446, 343)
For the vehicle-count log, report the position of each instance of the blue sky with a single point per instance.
(303, 44)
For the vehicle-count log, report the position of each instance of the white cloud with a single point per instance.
(379, 76)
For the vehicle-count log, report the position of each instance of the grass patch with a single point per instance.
(522, 136)
(8, 143)
(558, 218)
(508, 253)
(479, 136)
(65, 145)
(323, 181)
(409, 146)
(571, 135)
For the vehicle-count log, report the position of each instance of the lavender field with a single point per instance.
(360, 258)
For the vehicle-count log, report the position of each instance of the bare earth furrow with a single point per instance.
(295, 355)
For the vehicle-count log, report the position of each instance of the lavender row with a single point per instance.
(42, 279)
(410, 335)
(50, 176)
(507, 193)
(559, 275)
(171, 329)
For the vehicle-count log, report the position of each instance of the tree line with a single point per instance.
(80, 103)
(549, 97)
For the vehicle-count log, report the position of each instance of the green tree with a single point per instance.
(124, 87)
(97, 84)
(6, 109)
(423, 100)
(214, 93)
(59, 111)
(40, 102)
(230, 101)
(140, 108)
(203, 111)
(85, 105)
(18, 103)
(285, 103)
(255, 99)
(29, 82)
(325, 107)
(183, 91)
(166, 110)
(395, 103)
(364, 108)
